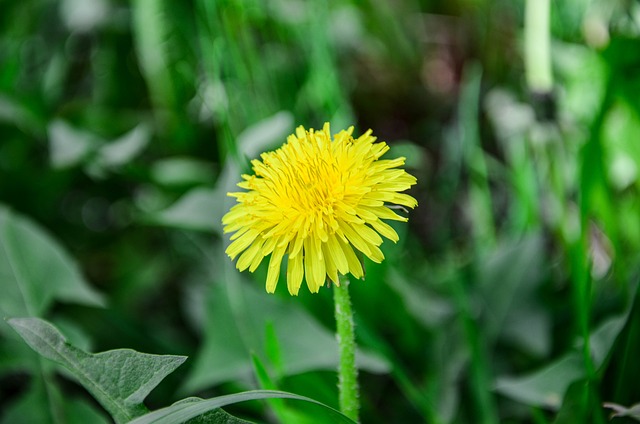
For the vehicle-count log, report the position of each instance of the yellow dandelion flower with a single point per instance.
(313, 200)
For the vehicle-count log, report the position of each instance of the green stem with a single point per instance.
(537, 46)
(347, 371)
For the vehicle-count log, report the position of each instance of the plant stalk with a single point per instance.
(537, 46)
(347, 371)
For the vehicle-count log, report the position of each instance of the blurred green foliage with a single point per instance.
(512, 295)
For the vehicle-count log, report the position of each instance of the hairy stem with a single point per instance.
(347, 371)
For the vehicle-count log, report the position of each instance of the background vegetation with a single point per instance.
(512, 295)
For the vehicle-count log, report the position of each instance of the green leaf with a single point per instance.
(124, 149)
(265, 382)
(509, 277)
(164, 53)
(70, 146)
(573, 405)
(215, 416)
(182, 171)
(602, 338)
(620, 130)
(46, 404)
(111, 155)
(272, 349)
(234, 329)
(14, 110)
(582, 72)
(262, 375)
(427, 307)
(81, 412)
(284, 412)
(119, 379)
(152, 36)
(265, 135)
(35, 270)
(199, 209)
(181, 412)
(15, 356)
(41, 403)
(545, 387)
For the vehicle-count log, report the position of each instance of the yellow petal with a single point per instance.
(295, 272)
(368, 235)
(354, 238)
(330, 264)
(355, 267)
(385, 229)
(314, 267)
(296, 247)
(241, 243)
(337, 254)
(384, 212)
(376, 254)
(405, 200)
(273, 274)
(249, 255)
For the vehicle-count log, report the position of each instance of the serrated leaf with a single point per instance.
(119, 379)
(179, 413)
(35, 270)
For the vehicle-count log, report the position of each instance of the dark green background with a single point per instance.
(123, 125)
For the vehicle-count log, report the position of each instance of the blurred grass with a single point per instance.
(122, 125)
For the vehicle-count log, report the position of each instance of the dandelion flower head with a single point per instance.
(311, 202)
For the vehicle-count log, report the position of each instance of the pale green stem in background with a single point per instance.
(347, 371)
(537, 46)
